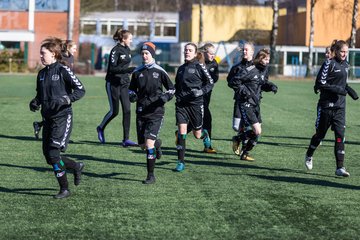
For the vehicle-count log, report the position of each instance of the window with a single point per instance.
(143, 30)
(170, 31)
(52, 5)
(292, 58)
(89, 29)
(14, 5)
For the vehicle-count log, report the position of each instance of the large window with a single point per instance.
(40, 5)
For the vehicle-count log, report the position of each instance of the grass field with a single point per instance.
(217, 197)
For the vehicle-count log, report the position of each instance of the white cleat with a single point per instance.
(308, 162)
(342, 172)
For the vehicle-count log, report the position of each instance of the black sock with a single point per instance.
(150, 161)
(314, 143)
(69, 164)
(62, 180)
(181, 147)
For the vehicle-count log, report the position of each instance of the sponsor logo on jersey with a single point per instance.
(337, 70)
(331, 104)
(122, 57)
(255, 77)
(191, 70)
(212, 69)
(155, 75)
(55, 77)
(141, 75)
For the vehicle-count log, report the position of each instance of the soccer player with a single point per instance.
(248, 53)
(69, 48)
(146, 88)
(57, 88)
(192, 81)
(208, 50)
(249, 83)
(331, 82)
(117, 85)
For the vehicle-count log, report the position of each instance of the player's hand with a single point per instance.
(34, 105)
(132, 96)
(274, 89)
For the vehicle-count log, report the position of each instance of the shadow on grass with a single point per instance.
(22, 138)
(27, 191)
(307, 181)
(309, 138)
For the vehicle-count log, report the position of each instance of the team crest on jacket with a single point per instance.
(155, 75)
(55, 77)
(191, 70)
(212, 69)
(123, 56)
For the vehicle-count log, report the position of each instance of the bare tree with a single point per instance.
(201, 22)
(309, 68)
(353, 38)
(273, 37)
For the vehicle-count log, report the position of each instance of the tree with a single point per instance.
(309, 68)
(353, 38)
(273, 37)
(201, 22)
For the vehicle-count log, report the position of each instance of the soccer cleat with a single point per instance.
(37, 129)
(342, 172)
(246, 157)
(236, 145)
(62, 194)
(149, 180)
(209, 150)
(179, 167)
(101, 136)
(308, 162)
(77, 173)
(158, 153)
(129, 143)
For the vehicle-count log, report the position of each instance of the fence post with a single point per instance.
(10, 62)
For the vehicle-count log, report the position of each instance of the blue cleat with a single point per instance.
(101, 136)
(129, 143)
(179, 167)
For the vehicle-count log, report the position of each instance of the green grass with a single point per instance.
(217, 197)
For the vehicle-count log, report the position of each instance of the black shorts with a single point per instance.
(330, 117)
(250, 114)
(56, 132)
(148, 128)
(192, 115)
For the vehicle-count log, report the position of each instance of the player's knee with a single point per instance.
(236, 124)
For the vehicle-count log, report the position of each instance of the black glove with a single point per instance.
(34, 105)
(352, 93)
(130, 69)
(274, 89)
(316, 89)
(132, 96)
(197, 92)
(58, 103)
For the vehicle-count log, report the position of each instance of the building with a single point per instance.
(25, 23)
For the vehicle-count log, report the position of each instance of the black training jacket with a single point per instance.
(147, 82)
(213, 69)
(249, 83)
(118, 65)
(235, 69)
(192, 75)
(53, 82)
(331, 82)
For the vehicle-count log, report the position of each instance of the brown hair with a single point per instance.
(121, 35)
(336, 47)
(206, 47)
(54, 45)
(262, 53)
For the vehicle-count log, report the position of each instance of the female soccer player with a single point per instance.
(248, 54)
(331, 82)
(249, 83)
(69, 48)
(192, 81)
(117, 85)
(146, 88)
(208, 50)
(57, 87)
